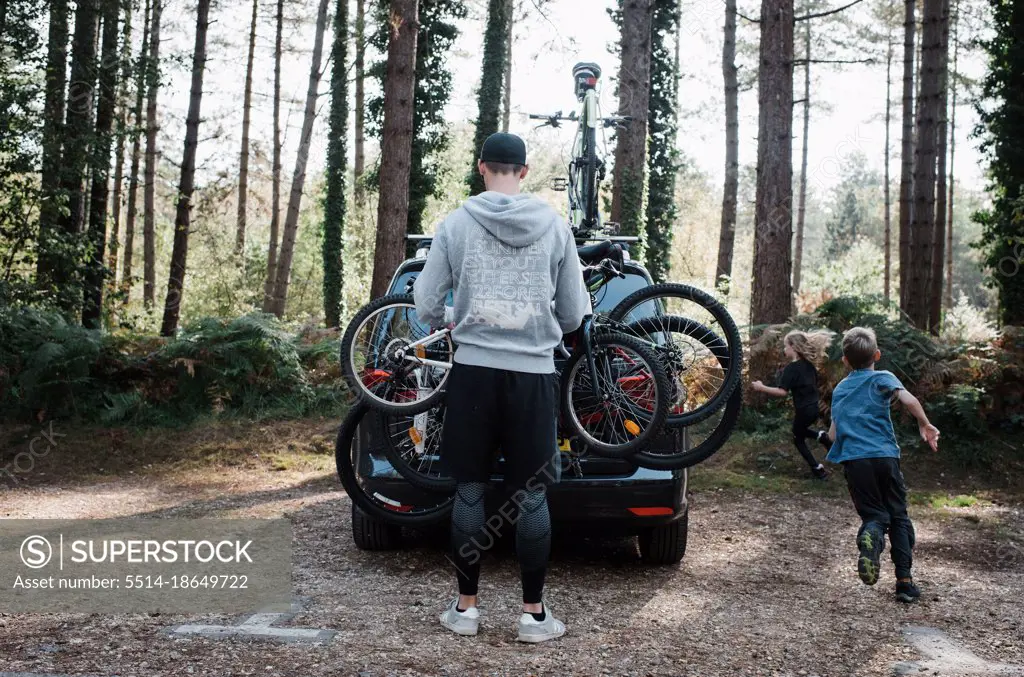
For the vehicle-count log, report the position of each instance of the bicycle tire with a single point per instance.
(729, 331)
(703, 451)
(657, 413)
(590, 206)
(715, 345)
(400, 445)
(350, 370)
(372, 504)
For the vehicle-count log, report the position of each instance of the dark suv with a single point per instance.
(597, 496)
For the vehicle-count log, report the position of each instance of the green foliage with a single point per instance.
(499, 16)
(248, 366)
(21, 80)
(856, 269)
(337, 169)
(663, 158)
(1000, 109)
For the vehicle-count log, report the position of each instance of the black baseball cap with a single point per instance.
(503, 147)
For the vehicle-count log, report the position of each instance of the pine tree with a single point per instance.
(334, 200)
(663, 156)
(53, 136)
(396, 142)
(437, 33)
(730, 76)
(1001, 113)
(183, 210)
(499, 17)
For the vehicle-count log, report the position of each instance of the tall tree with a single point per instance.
(629, 187)
(183, 208)
(396, 145)
(275, 179)
(149, 182)
(948, 294)
(141, 78)
(801, 209)
(506, 93)
(488, 98)
(887, 198)
(92, 301)
(359, 166)
(771, 297)
(727, 236)
(663, 156)
(1000, 109)
(334, 202)
(938, 253)
(243, 160)
(124, 78)
(907, 145)
(53, 134)
(78, 134)
(922, 221)
(291, 219)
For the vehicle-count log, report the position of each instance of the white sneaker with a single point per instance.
(533, 631)
(461, 622)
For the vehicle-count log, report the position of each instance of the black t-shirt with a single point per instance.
(801, 379)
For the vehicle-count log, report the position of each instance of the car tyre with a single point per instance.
(370, 533)
(665, 544)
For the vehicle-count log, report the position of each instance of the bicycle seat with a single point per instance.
(587, 66)
(594, 253)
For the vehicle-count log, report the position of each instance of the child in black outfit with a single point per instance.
(800, 377)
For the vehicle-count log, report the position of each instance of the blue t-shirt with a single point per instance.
(860, 409)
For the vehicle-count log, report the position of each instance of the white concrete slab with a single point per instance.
(944, 656)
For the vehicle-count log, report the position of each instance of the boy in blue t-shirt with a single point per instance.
(865, 445)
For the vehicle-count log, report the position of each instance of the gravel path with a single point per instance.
(768, 587)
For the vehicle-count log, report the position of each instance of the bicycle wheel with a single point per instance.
(413, 446)
(380, 495)
(695, 358)
(699, 441)
(625, 404)
(646, 311)
(590, 187)
(391, 360)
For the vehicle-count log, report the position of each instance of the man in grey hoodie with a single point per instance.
(510, 262)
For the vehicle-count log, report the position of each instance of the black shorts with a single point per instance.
(488, 410)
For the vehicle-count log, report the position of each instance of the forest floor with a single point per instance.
(768, 585)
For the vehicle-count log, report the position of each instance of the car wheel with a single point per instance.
(370, 533)
(665, 544)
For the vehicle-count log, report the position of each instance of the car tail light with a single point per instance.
(650, 512)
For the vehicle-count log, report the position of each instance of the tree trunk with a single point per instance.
(732, 167)
(243, 162)
(133, 179)
(396, 141)
(275, 200)
(887, 198)
(771, 298)
(53, 134)
(92, 299)
(634, 94)
(922, 222)
(506, 97)
(939, 238)
(948, 296)
(183, 209)
(801, 209)
(907, 147)
(122, 129)
(492, 75)
(334, 203)
(149, 192)
(291, 220)
(77, 137)
(360, 105)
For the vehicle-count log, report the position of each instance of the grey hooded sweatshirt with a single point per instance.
(511, 263)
